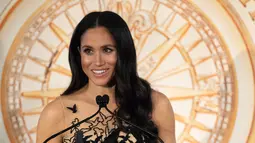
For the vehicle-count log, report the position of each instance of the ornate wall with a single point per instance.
(200, 53)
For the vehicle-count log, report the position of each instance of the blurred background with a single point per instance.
(200, 53)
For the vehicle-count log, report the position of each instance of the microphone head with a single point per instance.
(102, 101)
(106, 98)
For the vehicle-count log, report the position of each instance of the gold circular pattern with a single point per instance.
(179, 53)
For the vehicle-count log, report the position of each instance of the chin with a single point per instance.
(101, 83)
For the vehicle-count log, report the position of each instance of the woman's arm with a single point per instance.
(51, 121)
(163, 117)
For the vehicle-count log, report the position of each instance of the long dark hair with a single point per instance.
(132, 93)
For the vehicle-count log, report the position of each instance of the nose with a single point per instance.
(99, 60)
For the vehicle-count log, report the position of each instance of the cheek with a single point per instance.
(112, 60)
(85, 62)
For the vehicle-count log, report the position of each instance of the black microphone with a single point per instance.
(102, 101)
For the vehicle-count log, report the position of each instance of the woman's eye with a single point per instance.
(87, 51)
(108, 50)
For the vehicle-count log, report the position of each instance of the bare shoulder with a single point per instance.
(50, 121)
(161, 104)
(159, 98)
(163, 116)
(52, 110)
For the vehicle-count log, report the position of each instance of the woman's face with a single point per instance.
(98, 55)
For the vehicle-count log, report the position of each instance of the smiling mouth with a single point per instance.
(100, 72)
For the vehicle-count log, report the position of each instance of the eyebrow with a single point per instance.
(107, 45)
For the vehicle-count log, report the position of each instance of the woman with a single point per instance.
(102, 58)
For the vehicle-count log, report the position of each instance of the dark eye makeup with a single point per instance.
(89, 50)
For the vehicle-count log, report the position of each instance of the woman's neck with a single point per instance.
(93, 90)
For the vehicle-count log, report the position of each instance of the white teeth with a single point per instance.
(98, 71)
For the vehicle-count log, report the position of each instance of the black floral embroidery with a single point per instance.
(126, 138)
(76, 120)
(104, 129)
(97, 129)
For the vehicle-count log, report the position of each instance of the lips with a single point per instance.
(100, 72)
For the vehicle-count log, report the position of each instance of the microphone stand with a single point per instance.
(102, 101)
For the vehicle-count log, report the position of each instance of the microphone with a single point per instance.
(102, 101)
